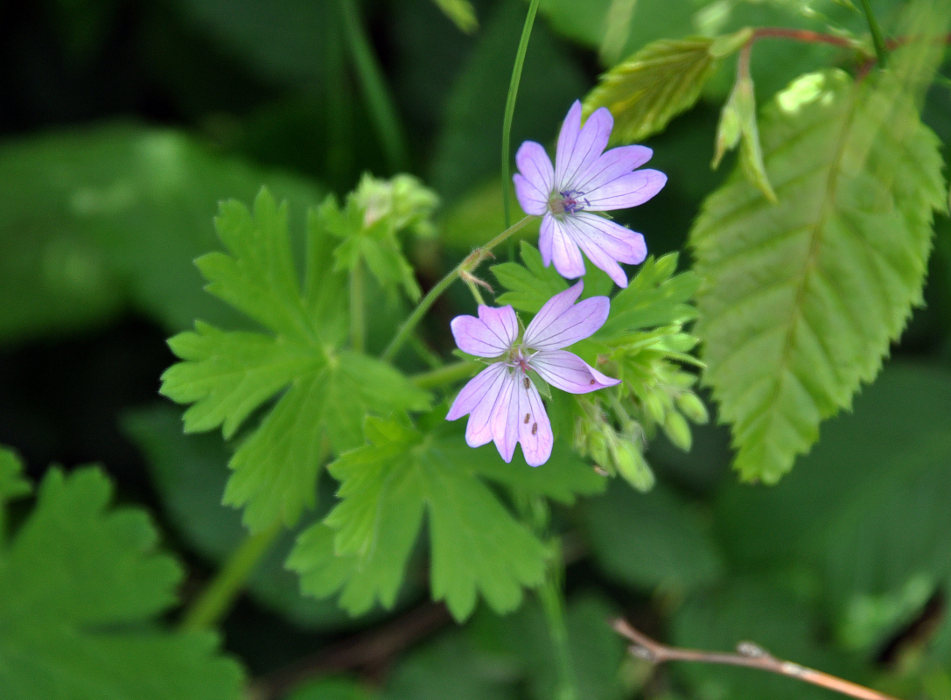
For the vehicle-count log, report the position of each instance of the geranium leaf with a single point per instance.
(800, 299)
(79, 586)
(478, 548)
(227, 375)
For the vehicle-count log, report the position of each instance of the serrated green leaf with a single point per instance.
(78, 586)
(654, 297)
(477, 546)
(801, 299)
(653, 86)
(327, 391)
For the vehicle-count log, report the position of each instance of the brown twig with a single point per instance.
(747, 654)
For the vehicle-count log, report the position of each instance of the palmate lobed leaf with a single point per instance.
(361, 548)
(325, 390)
(799, 300)
(79, 586)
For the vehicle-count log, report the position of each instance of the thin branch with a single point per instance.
(747, 654)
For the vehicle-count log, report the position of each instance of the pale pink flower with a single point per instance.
(585, 179)
(502, 401)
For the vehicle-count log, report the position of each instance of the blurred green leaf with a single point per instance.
(867, 509)
(801, 299)
(467, 147)
(332, 688)
(657, 83)
(477, 546)
(97, 218)
(189, 472)
(652, 541)
(229, 374)
(461, 13)
(530, 285)
(78, 586)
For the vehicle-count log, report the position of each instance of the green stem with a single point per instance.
(218, 596)
(553, 605)
(877, 39)
(380, 103)
(510, 108)
(357, 309)
(470, 262)
(447, 374)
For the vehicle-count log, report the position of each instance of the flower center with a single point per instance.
(567, 202)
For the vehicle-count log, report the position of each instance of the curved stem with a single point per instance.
(470, 262)
(218, 596)
(748, 654)
(877, 38)
(382, 109)
(510, 107)
(553, 605)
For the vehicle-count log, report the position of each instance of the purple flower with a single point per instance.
(502, 401)
(585, 180)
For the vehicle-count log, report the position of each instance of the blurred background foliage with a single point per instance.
(124, 123)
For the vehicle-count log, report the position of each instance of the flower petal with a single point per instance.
(612, 165)
(606, 242)
(563, 249)
(490, 335)
(505, 416)
(568, 372)
(578, 148)
(535, 180)
(476, 391)
(534, 428)
(561, 322)
(626, 191)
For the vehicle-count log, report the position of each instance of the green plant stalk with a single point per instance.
(357, 309)
(553, 605)
(219, 595)
(510, 108)
(877, 39)
(382, 109)
(470, 262)
(447, 374)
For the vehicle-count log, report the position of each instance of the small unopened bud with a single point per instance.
(655, 407)
(598, 448)
(677, 430)
(632, 466)
(692, 407)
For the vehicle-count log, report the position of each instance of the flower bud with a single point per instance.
(632, 466)
(678, 431)
(692, 407)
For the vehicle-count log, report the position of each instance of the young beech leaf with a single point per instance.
(80, 585)
(800, 299)
(227, 375)
(738, 124)
(477, 547)
(658, 82)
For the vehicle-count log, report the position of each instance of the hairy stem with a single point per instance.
(218, 596)
(379, 101)
(510, 108)
(466, 267)
(748, 654)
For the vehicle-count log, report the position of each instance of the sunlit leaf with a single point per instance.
(657, 83)
(801, 298)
